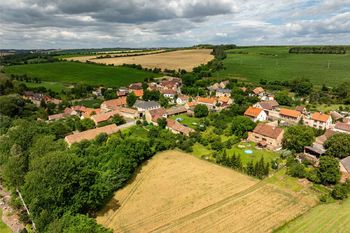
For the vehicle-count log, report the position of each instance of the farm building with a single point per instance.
(110, 105)
(289, 115)
(178, 128)
(142, 106)
(267, 105)
(153, 115)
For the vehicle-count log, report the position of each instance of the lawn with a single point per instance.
(3, 227)
(199, 150)
(239, 149)
(327, 218)
(275, 63)
(72, 72)
(90, 103)
(191, 122)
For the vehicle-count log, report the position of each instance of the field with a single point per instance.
(71, 72)
(92, 58)
(275, 63)
(3, 227)
(177, 192)
(327, 218)
(180, 59)
(54, 86)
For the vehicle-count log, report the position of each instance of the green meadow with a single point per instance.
(275, 63)
(72, 72)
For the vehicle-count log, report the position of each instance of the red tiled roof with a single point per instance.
(258, 90)
(323, 138)
(90, 111)
(157, 113)
(342, 126)
(253, 112)
(91, 133)
(56, 116)
(206, 100)
(289, 112)
(114, 103)
(176, 126)
(176, 110)
(300, 108)
(268, 104)
(268, 130)
(318, 116)
(104, 116)
(138, 93)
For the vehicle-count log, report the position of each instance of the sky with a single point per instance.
(45, 24)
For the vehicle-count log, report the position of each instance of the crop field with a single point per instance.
(71, 72)
(275, 63)
(327, 218)
(93, 58)
(177, 192)
(180, 59)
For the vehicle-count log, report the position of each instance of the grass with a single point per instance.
(54, 86)
(275, 63)
(72, 72)
(328, 218)
(199, 150)
(3, 227)
(239, 149)
(191, 122)
(90, 103)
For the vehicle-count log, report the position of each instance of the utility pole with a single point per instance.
(25, 207)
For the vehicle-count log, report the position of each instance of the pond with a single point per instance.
(248, 152)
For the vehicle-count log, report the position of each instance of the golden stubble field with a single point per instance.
(177, 192)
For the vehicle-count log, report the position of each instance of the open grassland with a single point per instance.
(72, 72)
(113, 54)
(275, 63)
(54, 86)
(325, 218)
(180, 59)
(177, 192)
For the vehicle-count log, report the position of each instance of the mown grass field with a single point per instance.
(54, 86)
(324, 218)
(177, 192)
(71, 72)
(275, 63)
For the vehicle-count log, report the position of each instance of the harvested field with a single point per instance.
(93, 58)
(177, 192)
(180, 59)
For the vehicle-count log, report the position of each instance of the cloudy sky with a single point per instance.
(155, 23)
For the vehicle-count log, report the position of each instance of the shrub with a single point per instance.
(339, 192)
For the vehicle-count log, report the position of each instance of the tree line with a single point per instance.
(318, 50)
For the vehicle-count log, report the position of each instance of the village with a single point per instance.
(271, 118)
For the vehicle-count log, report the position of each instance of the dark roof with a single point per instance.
(268, 130)
(346, 163)
(269, 104)
(300, 109)
(146, 104)
(223, 90)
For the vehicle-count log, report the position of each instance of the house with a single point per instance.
(344, 167)
(90, 134)
(259, 91)
(153, 115)
(267, 96)
(301, 109)
(142, 106)
(289, 115)
(336, 116)
(135, 86)
(209, 102)
(56, 116)
(267, 105)
(128, 112)
(319, 121)
(169, 93)
(182, 99)
(320, 140)
(191, 104)
(342, 127)
(88, 112)
(178, 128)
(267, 136)
(172, 84)
(103, 117)
(123, 91)
(138, 93)
(49, 99)
(223, 92)
(176, 110)
(256, 114)
(110, 105)
(225, 101)
(36, 98)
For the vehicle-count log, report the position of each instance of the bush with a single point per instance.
(339, 192)
(201, 110)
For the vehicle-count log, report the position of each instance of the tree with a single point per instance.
(328, 171)
(162, 122)
(118, 120)
(16, 167)
(163, 101)
(283, 98)
(339, 192)
(76, 223)
(296, 137)
(131, 99)
(301, 86)
(338, 145)
(201, 110)
(241, 125)
(87, 123)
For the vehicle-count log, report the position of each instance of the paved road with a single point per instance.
(127, 125)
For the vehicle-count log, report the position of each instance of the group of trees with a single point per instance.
(319, 50)
(26, 58)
